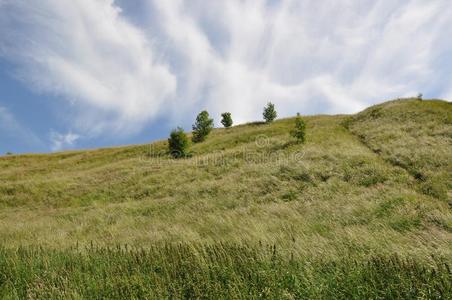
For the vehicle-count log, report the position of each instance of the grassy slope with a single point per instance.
(249, 183)
(362, 188)
(416, 135)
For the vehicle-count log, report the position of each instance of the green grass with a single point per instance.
(215, 272)
(415, 135)
(362, 187)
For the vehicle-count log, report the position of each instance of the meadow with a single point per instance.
(362, 210)
(220, 271)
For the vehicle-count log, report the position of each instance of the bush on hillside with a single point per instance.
(299, 132)
(202, 127)
(419, 96)
(226, 119)
(178, 143)
(269, 113)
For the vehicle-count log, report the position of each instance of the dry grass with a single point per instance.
(413, 134)
(250, 183)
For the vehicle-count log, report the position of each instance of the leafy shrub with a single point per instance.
(202, 127)
(419, 96)
(299, 132)
(226, 119)
(269, 113)
(178, 143)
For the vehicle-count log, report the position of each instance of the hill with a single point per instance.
(362, 186)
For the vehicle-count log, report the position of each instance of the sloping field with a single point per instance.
(362, 188)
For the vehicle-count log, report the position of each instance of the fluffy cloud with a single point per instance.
(62, 141)
(311, 56)
(86, 52)
(234, 55)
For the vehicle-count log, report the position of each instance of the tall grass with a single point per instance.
(413, 134)
(217, 271)
(337, 207)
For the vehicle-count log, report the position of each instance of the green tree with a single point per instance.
(226, 119)
(299, 132)
(178, 143)
(269, 112)
(202, 127)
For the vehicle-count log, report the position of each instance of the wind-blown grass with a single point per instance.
(215, 272)
(413, 134)
(351, 195)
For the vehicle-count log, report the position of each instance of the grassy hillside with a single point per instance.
(416, 135)
(363, 186)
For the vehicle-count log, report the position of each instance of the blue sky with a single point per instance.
(94, 73)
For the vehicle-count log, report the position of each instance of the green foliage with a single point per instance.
(299, 132)
(269, 113)
(178, 143)
(226, 119)
(217, 271)
(202, 127)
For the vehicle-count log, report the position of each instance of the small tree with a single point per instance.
(202, 127)
(226, 119)
(269, 112)
(299, 132)
(178, 143)
(419, 96)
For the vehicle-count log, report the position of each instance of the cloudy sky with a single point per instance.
(93, 73)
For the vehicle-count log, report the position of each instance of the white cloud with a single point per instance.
(62, 141)
(86, 52)
(308, 56)
(234, 55)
